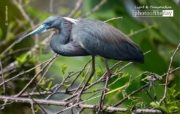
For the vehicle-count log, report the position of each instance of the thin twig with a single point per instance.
(80, 72)
(167, 74)
(4, 85)
(140, 30)
(102, 77)
(61, 103)
(94, 9)
(149, 95)
(7, 49)
(27, 85)
(78, 5)
(14, 77)
(13, 65)
(82, 80)
(43, 76)
(58, 87)
(51, 6)
(140, 89)
(102, 99)
(38, 105)
(134, 92)
(115, 18)
(25, 15)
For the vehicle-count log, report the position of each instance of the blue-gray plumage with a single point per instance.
(84, 37)
(99, 38)
(89, 37)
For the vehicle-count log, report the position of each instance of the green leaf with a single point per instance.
(120, 75)
(1, 34)
(155, 104)
(77, 13)
(49, 86)
(37, 109)
(173, 108)
(98, 72)
(2, 56)
(83, 74)
(118, 89)
(11, 36)
(43, 82)
(22, 59)
(160, 107)
(66, 86)
(90, 82)
(39, 43)
(125, 75)
(1, 91)
(27, 1)
(176, 94)
(65, 10)
(63, 68)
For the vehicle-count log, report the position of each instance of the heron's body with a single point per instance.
(92, 37)
(89, 37)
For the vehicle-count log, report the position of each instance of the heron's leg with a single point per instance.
(92, 73)
(108, 76)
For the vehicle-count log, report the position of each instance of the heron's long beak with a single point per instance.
(41, 28)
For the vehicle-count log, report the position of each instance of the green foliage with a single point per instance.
(83, 74)
(22, 59)
(65, 10)
(120, 89)
(43, 82)
(77, 13)
(37, 109)
(1, 34)
(170, 105)
(158, 106)
(63, 68)
(91, 80)
(66, 86)
(172, 93)
(1, 91)
(98, 72)
(49, 86)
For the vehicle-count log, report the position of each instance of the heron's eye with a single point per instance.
(49, 24)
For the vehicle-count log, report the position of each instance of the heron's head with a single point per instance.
(52, 22)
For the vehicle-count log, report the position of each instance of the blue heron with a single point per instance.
(82, 37)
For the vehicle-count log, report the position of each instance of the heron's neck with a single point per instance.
(58, 41)
(64, 32)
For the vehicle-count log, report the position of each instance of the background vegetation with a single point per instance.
(159, 35)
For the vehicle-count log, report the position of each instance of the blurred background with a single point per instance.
(161, 35)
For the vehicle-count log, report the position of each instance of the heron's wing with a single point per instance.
(99, 38)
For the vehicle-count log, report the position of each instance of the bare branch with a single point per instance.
(140, 89)
(94, 9)
(167, 74)
(4, 86)
(61, 103)
(7, 80)
(78, 5)
(115, 18)
(140, 30)
(21, 92)
(26, 16)
(51, 6)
